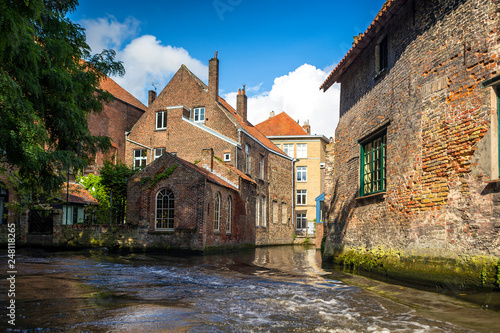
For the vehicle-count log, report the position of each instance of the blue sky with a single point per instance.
(281, 50)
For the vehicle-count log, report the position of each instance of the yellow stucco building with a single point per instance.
(309, 152)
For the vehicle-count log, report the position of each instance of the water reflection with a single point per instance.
(277, 289)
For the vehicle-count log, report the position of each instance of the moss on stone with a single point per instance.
(470, 272)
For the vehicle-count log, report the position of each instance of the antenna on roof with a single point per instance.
(155, 85)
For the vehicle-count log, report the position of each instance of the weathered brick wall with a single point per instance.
(116, 118)
(438, 115)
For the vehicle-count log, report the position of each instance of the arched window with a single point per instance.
(217, 212)
(229, 214)
(165, 209)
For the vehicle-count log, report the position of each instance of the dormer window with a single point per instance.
(199, 115)
(381, 55)
(161, 120)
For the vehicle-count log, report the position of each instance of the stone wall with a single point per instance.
(438, 119)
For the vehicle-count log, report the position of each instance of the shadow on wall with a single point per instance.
(339, 213)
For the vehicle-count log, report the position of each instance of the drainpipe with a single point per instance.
(293, 195)
(140, 144)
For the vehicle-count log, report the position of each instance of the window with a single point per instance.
(301, 174)
(159, 152)
(247, 159)
(381, 55)
(263, 222)
(217, 212)
(257, 212)
(140, 156)
(4, 199)
(229, 214)
(301, 197)
(301, 150)
(199, 115)
(284, 214)
(373, 165)
(288, 149)
(161, 120)
(274, 212)
(261, 166)
(165, 210)
(227, 157)
(301, 221)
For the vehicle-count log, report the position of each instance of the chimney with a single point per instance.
(271, 114)
(151, 97)
(307, 127)
(241, 103)
(207, 159)
(213, 77)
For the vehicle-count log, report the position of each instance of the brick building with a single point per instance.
(188, 117)
(417, 146)
(310, 153)
(116, 118)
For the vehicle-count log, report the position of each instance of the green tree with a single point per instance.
(114, 178)
(49, 83)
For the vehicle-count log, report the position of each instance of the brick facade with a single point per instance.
(441, 125)
(231, 138)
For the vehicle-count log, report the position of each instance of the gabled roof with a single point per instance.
(76, 193)
(118, 92)
(280, 125)
(250, 129)
(388, 10)
(211, 177)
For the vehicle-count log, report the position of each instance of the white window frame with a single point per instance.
(288, 148)
(301, 174)
(301, 198)
(227, 157)
(199, 115)
(156, 155)
(161, 119)
(301, 150)
(302, 219)
(170, 218)
(142, 158)
(263, 222)
(257, 212)
(247, 159)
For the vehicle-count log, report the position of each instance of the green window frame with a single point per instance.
(373, 164)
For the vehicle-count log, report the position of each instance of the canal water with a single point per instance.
(276, 289)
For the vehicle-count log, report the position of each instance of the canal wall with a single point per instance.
(425, 203)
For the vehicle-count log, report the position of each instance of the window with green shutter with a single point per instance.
(373, 161)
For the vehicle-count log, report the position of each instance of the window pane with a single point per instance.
(374, 166)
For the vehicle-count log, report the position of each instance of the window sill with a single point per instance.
(161, 232)
(379, 195)
(160, 129)
(380, 74)
(493, 181)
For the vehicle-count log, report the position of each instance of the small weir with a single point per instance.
(277, 289)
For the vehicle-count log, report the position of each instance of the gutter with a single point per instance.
(263, 145)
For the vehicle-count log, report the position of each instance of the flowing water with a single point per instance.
(277, 289)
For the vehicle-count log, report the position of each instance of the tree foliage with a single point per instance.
(111, 183)
(49, 83)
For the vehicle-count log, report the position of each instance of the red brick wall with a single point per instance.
(439, 117)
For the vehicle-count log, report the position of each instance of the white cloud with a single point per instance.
(106, 33)
(299, 96)
(147, 62)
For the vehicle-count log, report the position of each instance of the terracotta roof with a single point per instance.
(252, 130)
(384, 15)
(120, 93)
(77, 194)
(281, 124)
(207, 174)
